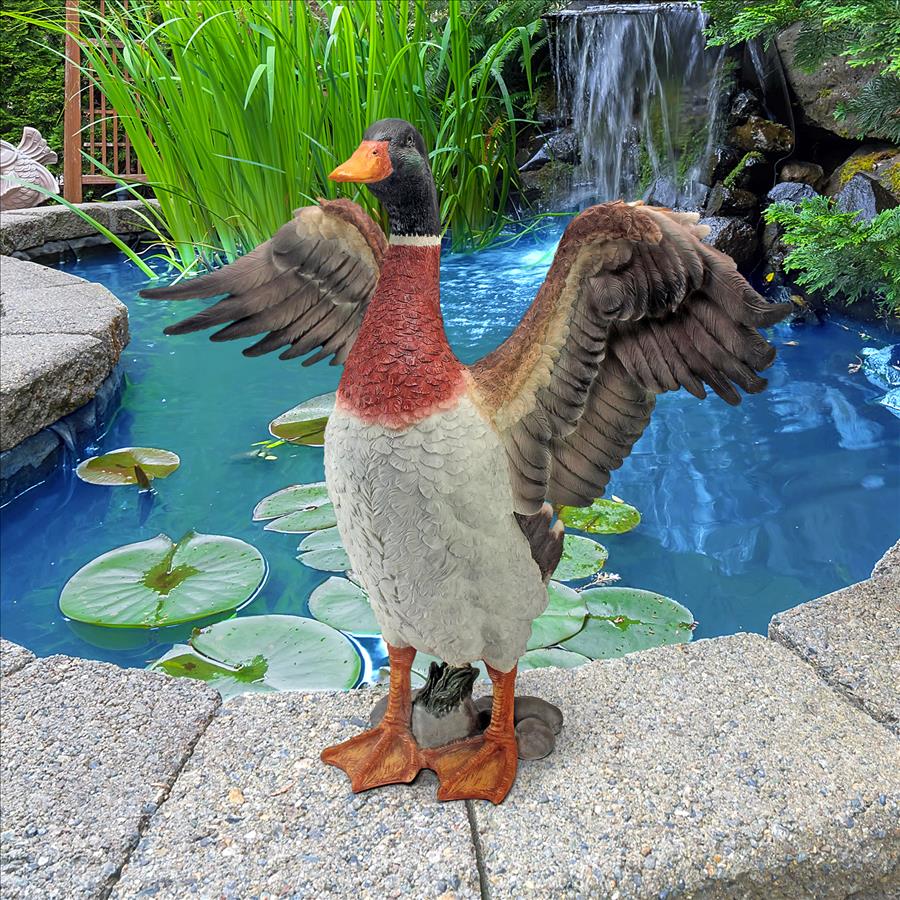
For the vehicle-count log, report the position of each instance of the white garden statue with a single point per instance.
(25, 163)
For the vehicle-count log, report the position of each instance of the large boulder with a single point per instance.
(797, 170)
(724, 200)
(762, 135)
(864, 195)
(791, 192)
(880, 160)
(819, 93)
(732, 235)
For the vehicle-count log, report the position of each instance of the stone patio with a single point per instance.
(736, 767)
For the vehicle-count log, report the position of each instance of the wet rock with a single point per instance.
(820, 93)
(722, 161)
(543, 186)
(762, 135)
(724, 200)
(863, 194)
(804, 172)
(744, 105)
(881, 161)
(752, 172)
(790, 192)
(535, 739)
(663, 192)
(561, 146)
(732, 235)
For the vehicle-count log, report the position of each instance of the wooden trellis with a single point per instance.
(91, 124)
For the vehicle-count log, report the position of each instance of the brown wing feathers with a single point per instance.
(305, 288)
(634, 305)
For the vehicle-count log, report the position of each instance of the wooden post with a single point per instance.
(72, 123)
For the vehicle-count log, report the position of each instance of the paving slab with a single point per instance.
(889, 564)
(851, 638)
(21, 275)
(89, 750)
(13, 657)
(256, 814)
(720, 769)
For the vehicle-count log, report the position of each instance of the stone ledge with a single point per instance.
(851, 638)
(889, 564)
(62, 337)
(13, 657)
(256, 814)
(27, 230)
(719, 769)
(90, 750)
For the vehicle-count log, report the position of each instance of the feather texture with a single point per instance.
(305, 288)
(633, 305)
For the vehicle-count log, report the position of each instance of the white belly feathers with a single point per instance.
(426, 516)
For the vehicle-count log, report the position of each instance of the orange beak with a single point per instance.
(370, 162)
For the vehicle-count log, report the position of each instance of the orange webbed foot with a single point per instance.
(480, 768)
(386, 754)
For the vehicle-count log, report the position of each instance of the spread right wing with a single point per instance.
(306, 287)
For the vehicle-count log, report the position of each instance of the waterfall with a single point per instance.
(643, 92)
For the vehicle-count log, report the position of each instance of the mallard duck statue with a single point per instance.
(444, 476)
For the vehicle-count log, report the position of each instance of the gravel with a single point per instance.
(723, 768)
(256, 814)
(89, 751)
(13, 657)
(852, 640)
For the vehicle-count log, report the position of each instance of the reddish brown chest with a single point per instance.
(401, 368)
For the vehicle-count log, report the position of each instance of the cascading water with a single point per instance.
(643, 92)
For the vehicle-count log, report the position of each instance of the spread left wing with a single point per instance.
(633, 305)
(306, 287)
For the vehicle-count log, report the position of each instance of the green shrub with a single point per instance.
(31, 72)
(863, 32)
(838, 254)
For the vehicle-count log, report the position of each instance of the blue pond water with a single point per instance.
(746, 511)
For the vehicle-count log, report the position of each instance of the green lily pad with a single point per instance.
(305, 423)
(342, 605)
(622, 620)
(324, 551)
(601, 517)
(297, 509)
(551, 656)
(266, 653)
(128, 465)
(582, 558)
(157, 582)
(563, 617)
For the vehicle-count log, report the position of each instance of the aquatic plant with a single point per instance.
(238, 111)
(265, 653)
(128, 465)
(159, 582)
(297, 509)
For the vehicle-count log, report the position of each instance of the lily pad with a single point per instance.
(305, 423)
(266, 653)
(324, 551)
(563, 617)
(158, 582)
(622, 620)
(551, 656)
(128, 465)
(297, 509)
(582, 558)
(601, 517)
(342, 605)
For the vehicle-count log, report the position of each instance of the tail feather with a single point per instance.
(544, 539)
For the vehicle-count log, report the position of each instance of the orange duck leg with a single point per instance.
(482, 767)
(388, 753)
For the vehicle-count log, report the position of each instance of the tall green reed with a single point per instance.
(238, 109)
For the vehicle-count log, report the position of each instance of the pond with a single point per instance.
(746, 511)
